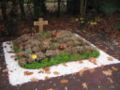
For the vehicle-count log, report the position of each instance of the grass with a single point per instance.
(62, 58)
(15, 48)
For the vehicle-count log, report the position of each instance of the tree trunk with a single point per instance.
(59, 8)
(21, 4)
(14, 9)
(83, 5)
(39, 8)
(73, 6)
(3, 8)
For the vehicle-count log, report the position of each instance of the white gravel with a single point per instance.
(16, 73)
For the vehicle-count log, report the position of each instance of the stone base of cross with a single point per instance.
(40, 23)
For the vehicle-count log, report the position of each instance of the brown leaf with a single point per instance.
(47, 69)
(107, 72)
(92, 60)
(102, 66)
(81, 72)
(13, 56)
(34, 79)
(10, 52)
(65, 64)
(28, 73)
(50, 89)
(41, 72)
(84, 85)
(91, 70)
(56, 73)
(19, 54)
(110, 58)
(64, 81)
(110, 80)
(114, 68)
(80, 62)
(47, 78)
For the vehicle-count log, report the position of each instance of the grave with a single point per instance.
(50, 54)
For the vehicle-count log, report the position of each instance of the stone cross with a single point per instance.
(40, 23)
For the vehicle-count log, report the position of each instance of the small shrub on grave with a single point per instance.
(41, 50)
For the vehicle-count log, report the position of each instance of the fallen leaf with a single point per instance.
(114, 68)
(64, 81)
(84, 85)
(65, 64)
(102, 66)
(28, 73)
(56, 73)
(80, 62)
(34, 79)
(85, 68)
(47, 69)
(107, 72)
(47, 78)
(10, 52)
(41, 72)
(110, 58)
(50, 89)
(48, 72)
(65, 88)
(92, 60)
(13, 56)
(81, 72)
(110, 80)
(91, 70)
(19, 54)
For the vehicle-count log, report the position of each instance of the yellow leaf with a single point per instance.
(81, 72)
(92, 60)
(64, 81)
(110, 58)
(56, 73)
(34, 79)
(107, 72)
(114, 68)
(91, 70)
(93, 23)
(84, 85)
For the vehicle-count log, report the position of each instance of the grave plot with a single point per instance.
(45, 55)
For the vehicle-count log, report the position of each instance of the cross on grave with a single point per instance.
(40, 23)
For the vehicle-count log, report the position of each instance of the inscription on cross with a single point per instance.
(40, 23)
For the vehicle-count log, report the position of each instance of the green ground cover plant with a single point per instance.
(62, 58)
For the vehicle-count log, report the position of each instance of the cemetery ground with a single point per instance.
(103, 34)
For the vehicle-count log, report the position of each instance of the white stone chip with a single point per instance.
(16, 73)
